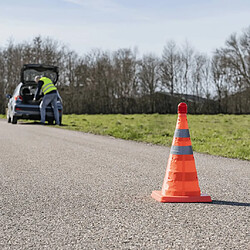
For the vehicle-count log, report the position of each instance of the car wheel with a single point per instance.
(8, 118)
(14, 120)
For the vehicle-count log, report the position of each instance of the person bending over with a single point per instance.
(50, 96)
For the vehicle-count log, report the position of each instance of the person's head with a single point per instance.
(37, 78)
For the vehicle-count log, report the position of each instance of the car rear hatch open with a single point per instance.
(28, 73)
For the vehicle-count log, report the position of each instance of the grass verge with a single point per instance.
(223, 135)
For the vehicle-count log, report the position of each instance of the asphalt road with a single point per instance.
(69, 190)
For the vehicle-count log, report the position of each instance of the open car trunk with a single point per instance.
(28, 74)
(27, 92)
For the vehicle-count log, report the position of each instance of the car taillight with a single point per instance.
(17, 109)
(18, 98)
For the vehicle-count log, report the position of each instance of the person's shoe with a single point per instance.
(42, 123)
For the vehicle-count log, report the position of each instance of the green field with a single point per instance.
(224, 135)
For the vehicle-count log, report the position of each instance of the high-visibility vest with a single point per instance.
(47, 86)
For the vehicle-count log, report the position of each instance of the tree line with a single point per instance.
(122, 82)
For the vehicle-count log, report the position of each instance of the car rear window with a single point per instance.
(29, 75)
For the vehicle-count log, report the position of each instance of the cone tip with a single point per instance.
(182, 108)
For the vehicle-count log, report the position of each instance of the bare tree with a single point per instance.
(234, 66)
(125, 69)
(236, 56)
(220, 79)
(187, 66)
(149, 78)
(170, 66)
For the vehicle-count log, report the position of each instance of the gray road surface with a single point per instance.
(69, 190)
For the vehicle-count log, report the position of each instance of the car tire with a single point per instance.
(14, 120)
(8, 119)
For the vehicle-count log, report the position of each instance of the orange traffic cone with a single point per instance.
(181, 181)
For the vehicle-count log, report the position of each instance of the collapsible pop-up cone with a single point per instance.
(181, 181)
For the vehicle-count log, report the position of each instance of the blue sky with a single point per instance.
(109, 25)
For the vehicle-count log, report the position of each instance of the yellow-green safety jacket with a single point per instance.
(47, 86)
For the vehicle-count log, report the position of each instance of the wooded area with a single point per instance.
(122, 82)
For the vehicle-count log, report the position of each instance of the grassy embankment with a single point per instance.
(224, 135)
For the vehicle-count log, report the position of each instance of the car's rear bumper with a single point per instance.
(32, 112)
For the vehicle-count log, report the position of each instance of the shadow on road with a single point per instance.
(231, 203)
(29, 123)
(38, 123)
